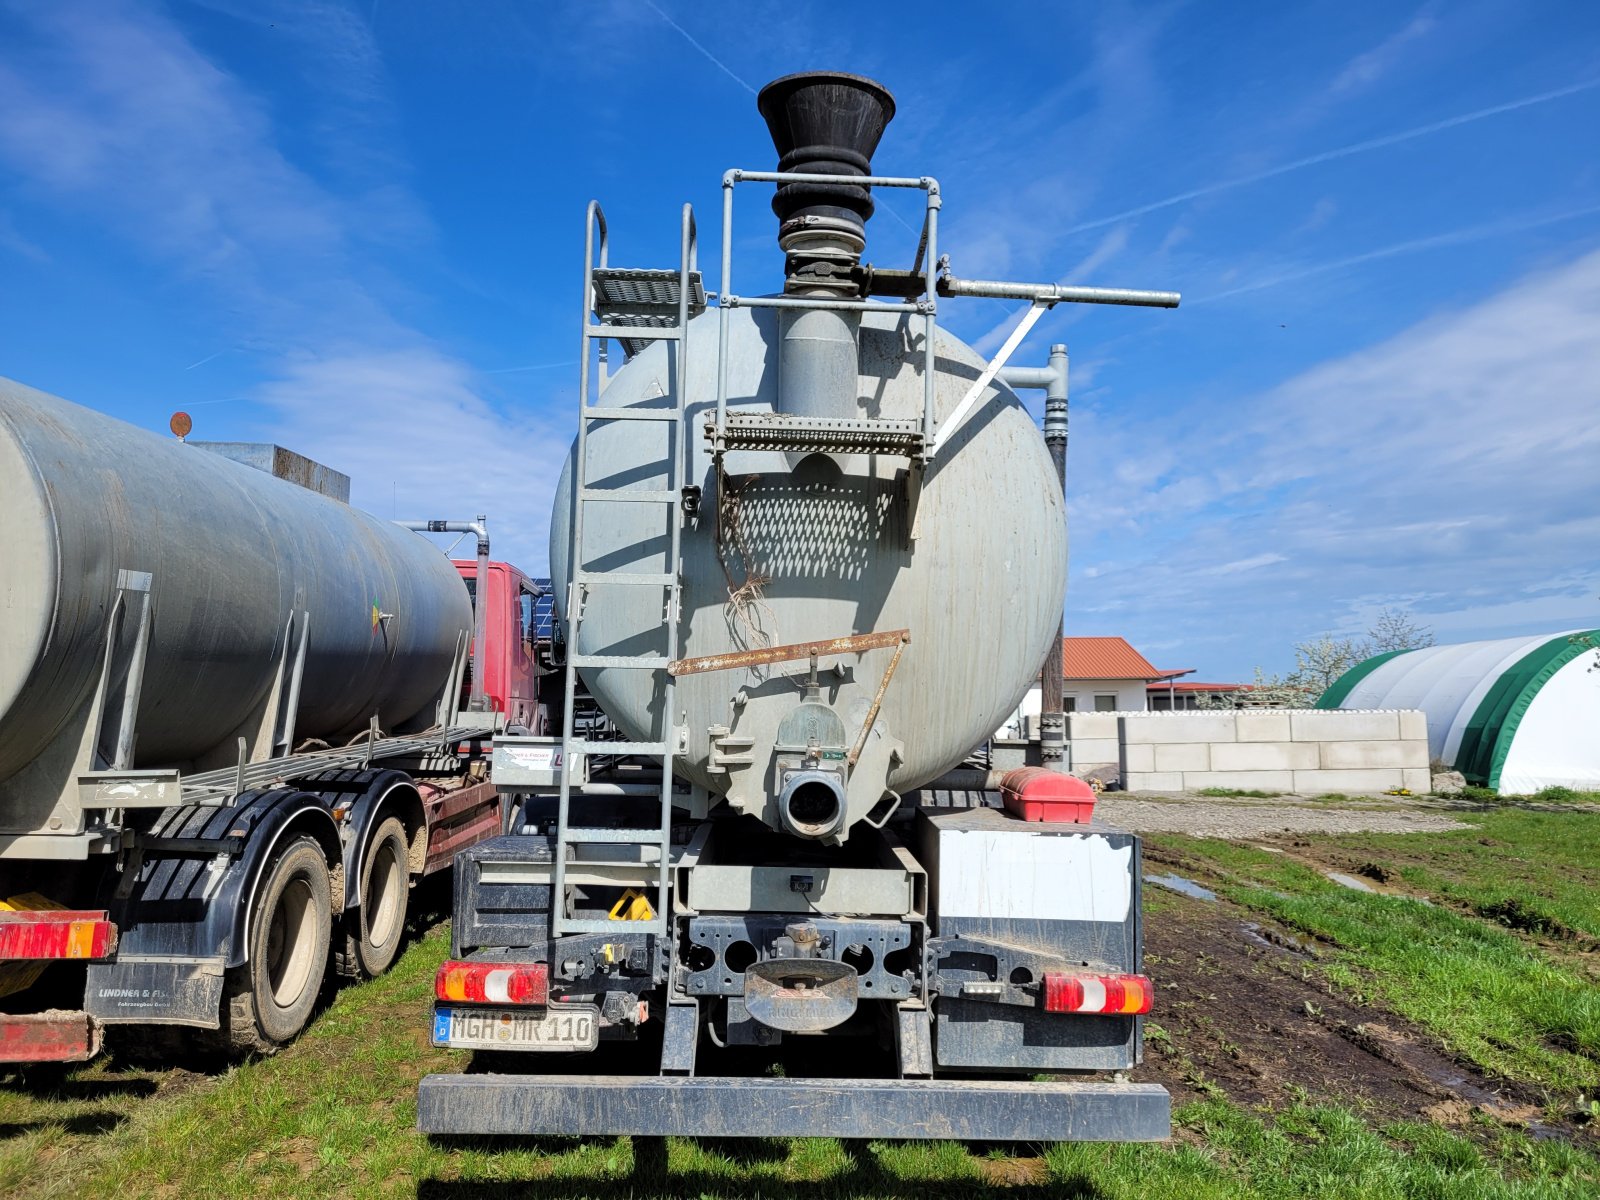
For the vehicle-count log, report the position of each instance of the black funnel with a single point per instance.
(825, 123)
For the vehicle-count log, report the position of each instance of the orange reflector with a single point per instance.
(493, 983)
(1122, 995)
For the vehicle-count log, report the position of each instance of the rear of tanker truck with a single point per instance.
(809, 550)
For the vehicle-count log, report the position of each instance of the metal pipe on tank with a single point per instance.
(477, 698)
(1053, 379)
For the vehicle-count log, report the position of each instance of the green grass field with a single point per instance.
(334, 1114)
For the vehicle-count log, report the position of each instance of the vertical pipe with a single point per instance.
(1051, 709)
(478, 701)
(932, 228)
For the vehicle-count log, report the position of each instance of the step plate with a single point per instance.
(826, 435)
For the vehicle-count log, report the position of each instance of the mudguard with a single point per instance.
(370, 796)
(185, 919)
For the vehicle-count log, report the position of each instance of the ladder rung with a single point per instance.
(619, 747)
(628, 496)
(575, 925)
(635, 662)
(659, 579)
(634, 333)
(630, 837)
(594, 413)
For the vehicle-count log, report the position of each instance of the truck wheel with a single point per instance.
(380, 922)
(268, 1000)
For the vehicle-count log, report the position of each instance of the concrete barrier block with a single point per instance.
(1133, 729)
(1183, 756)
(1417, 779)
(1091, 725)
(1095, 752)
(1154, 781)
(1266, 756)
(1414, 725)
(1362, 756)
(1377, 780)
(1138, 758)
(1337, 725)
(1261, 726)
(1260, 781)
(1178, 727)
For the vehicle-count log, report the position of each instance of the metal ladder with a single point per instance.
(633, 307)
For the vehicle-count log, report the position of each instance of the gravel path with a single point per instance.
(1206, 816)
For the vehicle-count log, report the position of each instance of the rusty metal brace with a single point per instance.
(877, 699)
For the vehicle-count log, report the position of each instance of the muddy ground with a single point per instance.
(1238, 1015)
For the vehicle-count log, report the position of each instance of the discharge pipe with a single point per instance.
(825, 123)
(477, 700)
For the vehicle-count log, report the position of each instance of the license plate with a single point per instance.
(558, 1027)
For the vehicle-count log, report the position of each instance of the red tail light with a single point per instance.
(1123, 995)
(56, 933)
(493, 983)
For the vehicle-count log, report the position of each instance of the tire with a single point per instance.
(377, 928)
(268, 1000)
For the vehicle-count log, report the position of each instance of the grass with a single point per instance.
(1238, 793)
(335, 1113)
(1489, 992)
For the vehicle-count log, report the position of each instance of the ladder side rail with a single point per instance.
(688, 251)
(594, 222)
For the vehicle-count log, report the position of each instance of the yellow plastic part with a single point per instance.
(632, 906)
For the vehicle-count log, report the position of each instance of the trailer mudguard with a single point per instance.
(185, 919)
(370, 795)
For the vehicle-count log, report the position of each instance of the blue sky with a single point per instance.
(356, 230)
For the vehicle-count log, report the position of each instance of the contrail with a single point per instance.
(688, 37)
(1379, 143)
(1458, 237)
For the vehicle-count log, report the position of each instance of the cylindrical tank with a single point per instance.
(232, 553)
(824, 551)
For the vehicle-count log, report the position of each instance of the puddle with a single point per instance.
(1271, 939)
(1350, 881)
(1186, 887)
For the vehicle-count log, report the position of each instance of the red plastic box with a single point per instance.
(1035, 794)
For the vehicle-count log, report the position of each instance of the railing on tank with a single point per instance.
(926, 306)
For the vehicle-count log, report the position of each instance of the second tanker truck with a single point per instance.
(810, 550)
(233, 731)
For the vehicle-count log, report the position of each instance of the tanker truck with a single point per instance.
(239, 719)
(809, 550)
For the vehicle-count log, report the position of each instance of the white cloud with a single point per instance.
(167, 149)
(1451, 468)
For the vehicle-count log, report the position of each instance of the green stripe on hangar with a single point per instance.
(1488, 735)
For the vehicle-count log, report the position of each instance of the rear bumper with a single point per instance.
(661, 1106)
(57, 1036)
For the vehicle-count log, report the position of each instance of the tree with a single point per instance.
(1318, 663)
(1395, 630)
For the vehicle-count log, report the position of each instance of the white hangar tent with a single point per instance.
(1516, 714)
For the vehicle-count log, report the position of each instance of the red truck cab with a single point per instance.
(511, 670)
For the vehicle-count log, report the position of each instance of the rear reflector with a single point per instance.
(56, 933)
(493, 983)
(1124, 995)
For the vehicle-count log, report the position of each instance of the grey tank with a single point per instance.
(980, 589)
(231, 552)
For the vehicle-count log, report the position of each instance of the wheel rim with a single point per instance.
(291, 942)
(385, 888)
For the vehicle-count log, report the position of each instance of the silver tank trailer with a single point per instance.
(231, 553)
(980, 588)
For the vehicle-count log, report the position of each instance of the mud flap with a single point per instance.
(156, 991)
